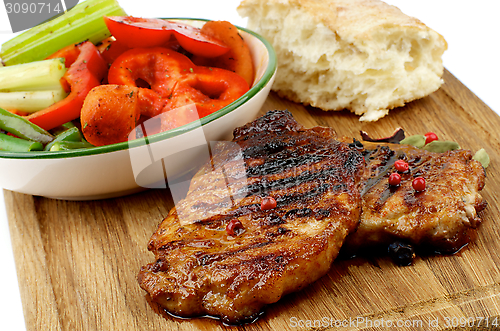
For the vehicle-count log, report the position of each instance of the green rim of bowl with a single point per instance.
(268, 74)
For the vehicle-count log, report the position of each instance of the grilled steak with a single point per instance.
(219, 253)
(201, 268)
(439, 218)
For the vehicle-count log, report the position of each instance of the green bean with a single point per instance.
(69, 145)
(23, 128)
(61, 128)
(13, 144)
(73, 134)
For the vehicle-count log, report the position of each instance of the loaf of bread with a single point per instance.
(362, 55)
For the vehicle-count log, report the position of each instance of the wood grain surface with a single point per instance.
(77, 262)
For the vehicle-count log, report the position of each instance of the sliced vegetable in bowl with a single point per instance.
(22, 128)
(33, 76)
(31, 101)
(152, 57)
(138, 32)
(161, 81)
(32, 86)
(155, 32)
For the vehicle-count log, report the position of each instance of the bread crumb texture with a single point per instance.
(362, 55)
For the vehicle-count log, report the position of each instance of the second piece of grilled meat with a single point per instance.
(438, 219)
(201, 268)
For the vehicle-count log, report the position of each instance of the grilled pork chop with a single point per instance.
(439, 218)
(201, 268)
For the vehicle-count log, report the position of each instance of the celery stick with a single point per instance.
(83, 22)
(39, 75)
(31, 101)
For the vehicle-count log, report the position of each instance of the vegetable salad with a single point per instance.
(91, 76)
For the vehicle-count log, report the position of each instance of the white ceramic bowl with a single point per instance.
(129, 167)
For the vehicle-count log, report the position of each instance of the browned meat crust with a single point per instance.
(200, 269)
(439, 218)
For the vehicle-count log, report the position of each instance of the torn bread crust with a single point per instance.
(361, 55)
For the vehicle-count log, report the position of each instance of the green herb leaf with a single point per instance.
(441, 146)
(417, 140)
(482, 157)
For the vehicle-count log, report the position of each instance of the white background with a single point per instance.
(471, 28)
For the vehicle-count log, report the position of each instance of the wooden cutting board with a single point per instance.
(77, 262)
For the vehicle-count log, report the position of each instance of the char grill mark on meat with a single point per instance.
(200, 269)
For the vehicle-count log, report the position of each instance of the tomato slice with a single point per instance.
(139, 32)
(152, 32)
(197, 43)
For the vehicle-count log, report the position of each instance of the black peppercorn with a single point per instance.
(401, 253)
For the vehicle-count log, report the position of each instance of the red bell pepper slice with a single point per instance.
(158, 67)
(69, 53)
(209, 89)
(151, 32)
(86, 72)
